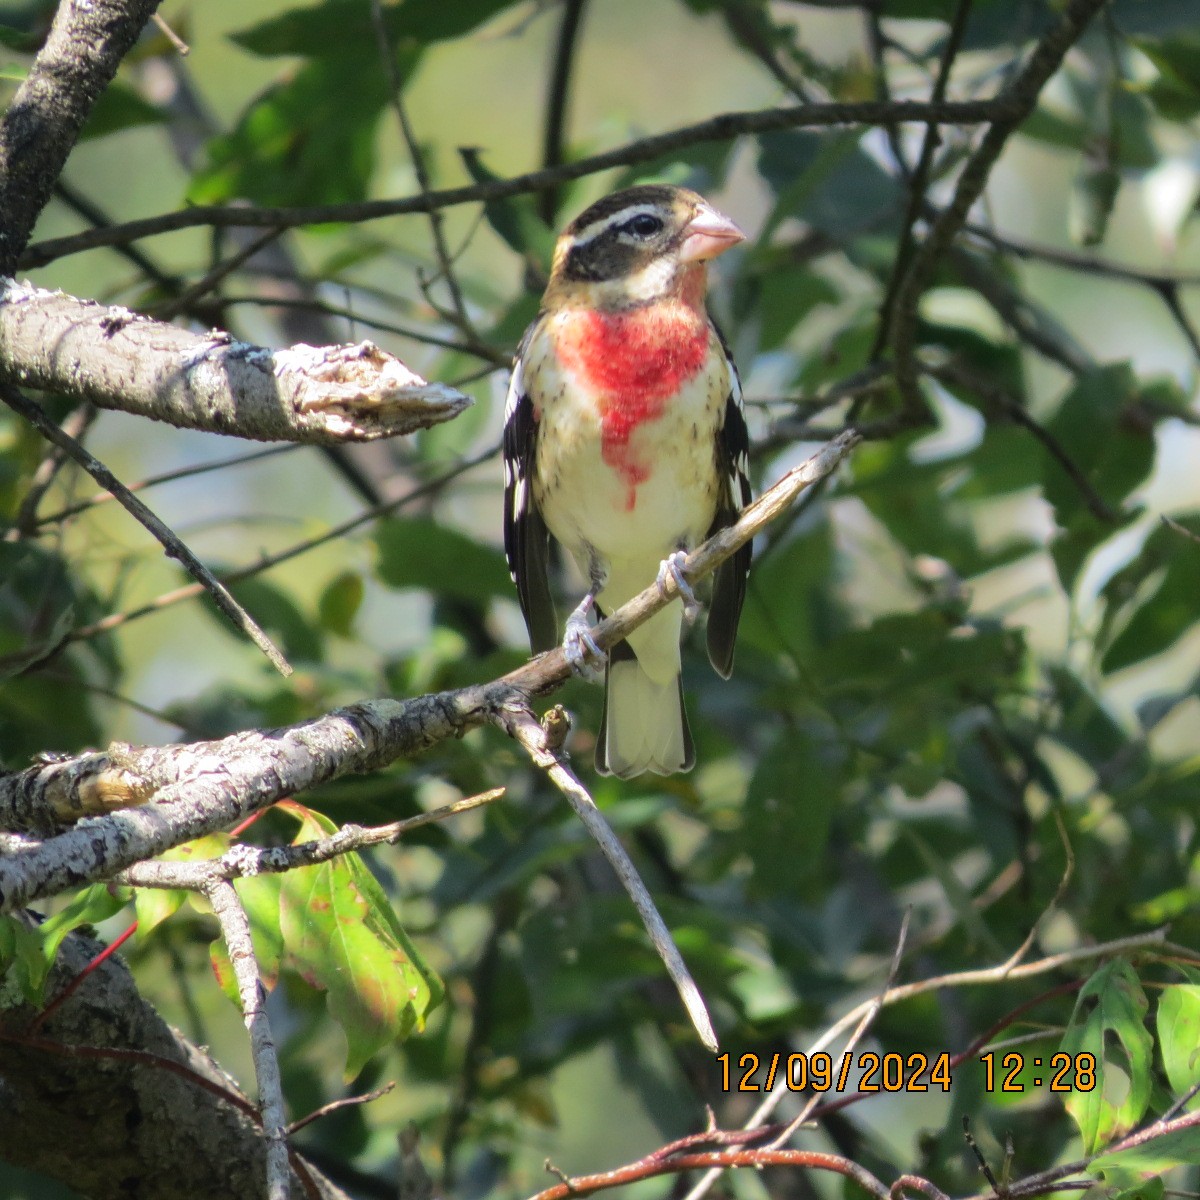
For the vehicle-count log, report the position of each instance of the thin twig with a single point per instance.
(207, 282)
(235, 929)
(721, 128)
(557, 98)
(490, 354)
(174, 548)
(416, 155)
(234, 460)
(984, 975)
(243, 861)
(181, 47)
(521, 724)
(25, 521)
(336, 1105)
(920, 177)
(1035, 1184)
(1171, 523)
(91, 212)
(1022, 96)
(718, 1160)
(956, 375)
(1087, 264)
(868, 1019)
(189, 592)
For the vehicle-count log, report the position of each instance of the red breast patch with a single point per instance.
(635, 362)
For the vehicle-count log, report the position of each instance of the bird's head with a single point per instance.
(639, 246)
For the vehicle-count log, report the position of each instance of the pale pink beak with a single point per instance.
(708, 234)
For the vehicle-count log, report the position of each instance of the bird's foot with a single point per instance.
(579, 645)
(672, 567)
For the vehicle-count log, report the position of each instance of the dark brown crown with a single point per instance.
(622, 233)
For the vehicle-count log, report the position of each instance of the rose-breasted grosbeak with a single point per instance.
(624, 438)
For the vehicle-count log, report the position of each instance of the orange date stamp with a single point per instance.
(821, 1072)
(868, 1072)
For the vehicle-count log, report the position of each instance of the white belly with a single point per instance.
(653, 494)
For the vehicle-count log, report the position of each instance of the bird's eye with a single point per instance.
(644, 225)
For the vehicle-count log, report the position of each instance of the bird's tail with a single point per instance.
(645, 727)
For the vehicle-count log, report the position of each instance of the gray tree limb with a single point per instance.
(129, 363)
(81, 55)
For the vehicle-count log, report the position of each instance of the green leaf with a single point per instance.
(417, 552)
(789, 805)
(340, 602)
(828, 181)
(1179, 1037)
(1155, 593)
(340, 933)
(1092, 199)
(1093, 732)
(1149, 1189)
(1108, 1024)
(28, 953)
(1159, 1154)
(771, 620)
(23, 965)
(278, 614)
(284, 144)
(1154, 17)
(93, 904)
(1095, 426)
(782, 297)
(958, 897)
(312, 32)
(1176, 92)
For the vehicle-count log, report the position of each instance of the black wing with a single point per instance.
(729, 582)
(526, 540)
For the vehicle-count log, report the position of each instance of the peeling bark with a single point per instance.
(121, 361)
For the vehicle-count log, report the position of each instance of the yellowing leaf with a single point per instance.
(1108, 1024)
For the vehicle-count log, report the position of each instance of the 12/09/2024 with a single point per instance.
(915, 1072)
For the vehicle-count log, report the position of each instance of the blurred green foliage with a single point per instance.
(967, 674)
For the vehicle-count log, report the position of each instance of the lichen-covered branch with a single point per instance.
(129, 363)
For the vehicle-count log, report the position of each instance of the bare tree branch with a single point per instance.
(242, 861)
(128, 363)
(192, 590)
(1021, 96)
(416, 156)
(657, 1164)
(80, 57)
(721, 128)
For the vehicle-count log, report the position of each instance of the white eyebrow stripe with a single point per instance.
(596, 228)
